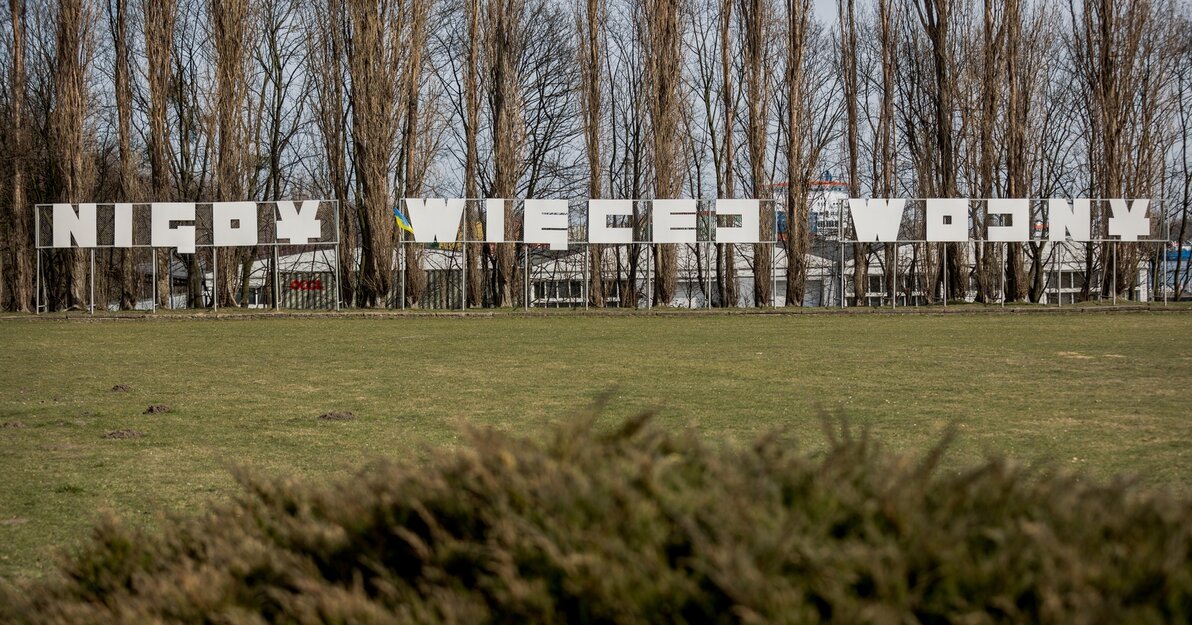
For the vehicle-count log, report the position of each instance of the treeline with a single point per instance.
(368, 101)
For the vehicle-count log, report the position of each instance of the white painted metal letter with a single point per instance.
(674, 220)
(947, 219)
(234, 224)
(1068, 221)
(81, 225)
(166, 234)
(435, 219)
(546, 222)
(1129, 219)
(877, 219)
(598, 229)
(299, 226)
(1019, 211)
(751, 224)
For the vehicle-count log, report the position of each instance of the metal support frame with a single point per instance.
(91, 280)
(37, 250)
(1113, 275)
(153, 263)
(37, 288)
(649, 277)
(586, 270)
(842, 296)
(463, 269)
(1163, 259)
(944, 271)
(214, 280)
(774, 264)
(277, 279)
(338, 290)
(41, 300)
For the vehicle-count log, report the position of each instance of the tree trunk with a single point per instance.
(230, 33)
(755, 16)
(798, 240)
(475, 269)
(590, 27)
(68, 123)
(374, 127)
(129, 190)
(1017, 287)
(848, 63)
(329, 34)
(504, 49)
(664, 74)
(415, 167)
(159, 37)
(21, 283)
(726, 263)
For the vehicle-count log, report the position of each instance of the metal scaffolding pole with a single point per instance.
(91, 280)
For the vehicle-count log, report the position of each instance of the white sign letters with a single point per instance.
(186, 225)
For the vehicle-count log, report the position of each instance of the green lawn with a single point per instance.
(1107, 393)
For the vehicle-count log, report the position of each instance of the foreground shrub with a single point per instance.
(643, 525)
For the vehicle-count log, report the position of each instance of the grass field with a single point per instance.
(1106, 393)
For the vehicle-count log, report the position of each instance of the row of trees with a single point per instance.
(366, 101)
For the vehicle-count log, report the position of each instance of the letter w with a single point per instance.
(877, 219)
(435, 219)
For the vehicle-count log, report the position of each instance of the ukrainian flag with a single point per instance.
(402, 222)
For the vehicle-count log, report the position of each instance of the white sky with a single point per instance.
(825, 10)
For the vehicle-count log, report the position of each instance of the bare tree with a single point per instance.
(69, 118)
(372, 65)
(726, 252)
(327, 26)
(159, 38)
(21, 281)
(1017, 107)
(664, 69)
(1122, 52)
(756, 21)
(1179, 277)
(505, 42)
(471, 96)
(413, 168)
(230, 33)
(885, 176)
(937, 17)
(129, 184)
(798, 238)
(987, 112)
(590, 25)
(848, 63)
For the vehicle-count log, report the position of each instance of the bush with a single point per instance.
(644, 525)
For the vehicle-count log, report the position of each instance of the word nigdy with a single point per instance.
(546, 221)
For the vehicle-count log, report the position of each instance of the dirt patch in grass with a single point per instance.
(157, 409)
(123, 434)
(11, 425)
(337, 415)
(121, 388)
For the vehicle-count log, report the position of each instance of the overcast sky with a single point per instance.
(825, 10)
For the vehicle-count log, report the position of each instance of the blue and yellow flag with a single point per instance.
(402, 222)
